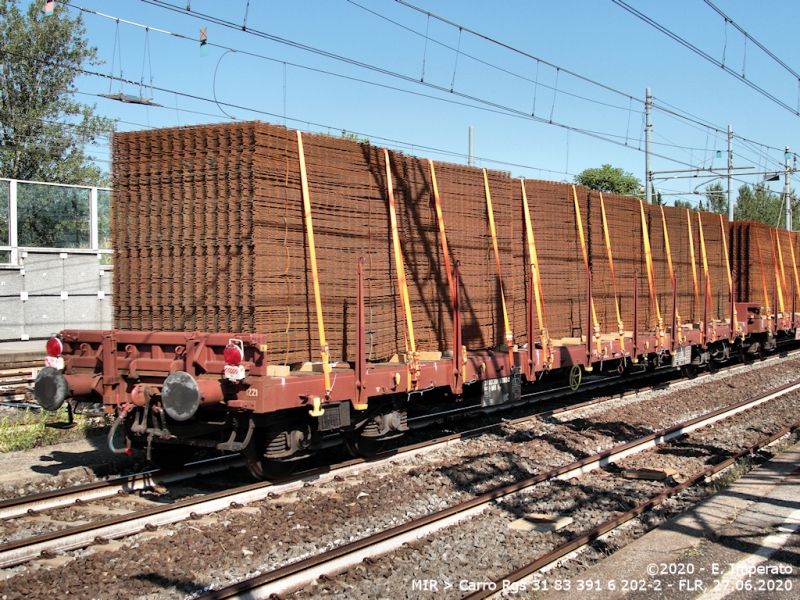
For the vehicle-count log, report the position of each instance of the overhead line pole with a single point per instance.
(730, 174)
(471, 159)
(648, 131)
(787, 190)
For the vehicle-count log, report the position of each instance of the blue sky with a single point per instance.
(596, 39)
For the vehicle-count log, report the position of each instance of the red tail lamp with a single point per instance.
(54, 347)
(232, 355)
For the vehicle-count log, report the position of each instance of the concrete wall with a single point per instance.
(54, 290)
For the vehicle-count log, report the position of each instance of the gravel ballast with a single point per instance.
(236, 543)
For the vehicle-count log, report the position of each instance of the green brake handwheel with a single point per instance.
(575, 376)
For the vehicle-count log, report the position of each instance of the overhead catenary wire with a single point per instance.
(487, 103)
(491, 106)
(747, 36)
(488, 106)
(559, 68)
(500, 108)
(701, 125)
(703, 54)
(535, 81)
(511, 48)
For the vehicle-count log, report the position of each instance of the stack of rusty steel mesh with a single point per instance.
(348, 208)
(465, 218)
(558, 248)
(761, 273)
(182, 244)
(714, 229)
(210, 235)
(682, 226)
(624, 222)
(751, 250)
(349, 198)
(687, 262)
(787, 243)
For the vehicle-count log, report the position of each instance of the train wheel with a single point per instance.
(363, 447)
(261, 467)
(575, 377)
(689, 371)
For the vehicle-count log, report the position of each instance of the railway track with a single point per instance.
(151, 518)
(136, 520)
(525, 572)
(126, 522)
(298, 574)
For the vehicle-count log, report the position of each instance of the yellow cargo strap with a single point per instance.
(794, 268)
(411, 361)
(671, 273)
(763, 278)
(694, 261)
(780, 262)
(620, 325)
(781, 304)
(509, 334)
(651, 276)
(312, 251)
(707, 278)
(442, 234)
(544, 337)
(735, 324)
(579, 222)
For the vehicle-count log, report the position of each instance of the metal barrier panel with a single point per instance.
(55, 259)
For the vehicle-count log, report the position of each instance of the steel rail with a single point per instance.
(24, 505)
(123, 525)
(20, 551)
(586, 538)
(33, 504)
(295, 575)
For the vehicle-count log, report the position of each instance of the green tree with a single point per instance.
(43, 129)
(684, 204)
(760, 204)
(609, 179)
(716, 198)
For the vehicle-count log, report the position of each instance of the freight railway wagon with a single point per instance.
(275, 291)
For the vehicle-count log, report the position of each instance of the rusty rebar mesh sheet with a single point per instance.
(747, 264)
(465, 219)
(785, 241)
(625, 237)
(685, 272)
(428, 288)
(172, 188)
(794, 267)
(754, 263)
(688, 274)
(714, 227)
(558, 249)
(522, 268)
(350, 219)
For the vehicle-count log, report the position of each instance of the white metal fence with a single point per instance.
(48, 217)
(55, 259)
